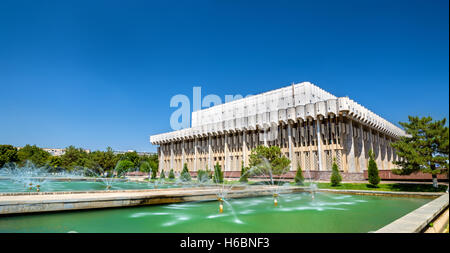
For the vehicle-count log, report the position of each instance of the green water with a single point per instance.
(295, 213)
(53, 186)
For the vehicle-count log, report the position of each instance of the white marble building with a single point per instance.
(310, 125)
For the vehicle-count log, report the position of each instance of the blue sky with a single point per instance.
(101, 73)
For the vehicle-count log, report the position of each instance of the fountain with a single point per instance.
(264, 170)
(35, 178)
(29, 175)
(312, 185)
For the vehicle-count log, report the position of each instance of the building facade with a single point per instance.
(311, 126)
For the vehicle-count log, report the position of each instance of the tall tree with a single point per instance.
(268, 160)
(372, 170)
(244, 173)
(218, 174)
(123, 166)
(36, 155)
(336, 177)
(299, 178)
(8, 154)
(424, 149)
(132, 157)
(185, 175)
(74, 157)
(106, 160)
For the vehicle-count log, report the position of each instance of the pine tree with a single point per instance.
(209, 173)
(185, 175)
(299, 179)
(171, 175)
(372, 170)
(202, 176)
(424, 149)
(162, 175)
(154, 172)
(335, 175)
(244, 174)
(218, 174)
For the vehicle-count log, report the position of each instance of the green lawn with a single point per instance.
(407, 187)
(401, 187)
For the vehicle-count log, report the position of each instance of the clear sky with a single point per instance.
(101, 73)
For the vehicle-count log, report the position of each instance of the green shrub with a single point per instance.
(209, 173)
(244, 174)
(335, 175)
(162, 175)
(372, 170)
(123, 166)
(218, 174)
(185, 175)
(145, 167)
(299, 179)
(154, 172)
(202, 176)
(171, 174)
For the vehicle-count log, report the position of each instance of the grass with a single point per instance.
(409, 187)
(395, 187)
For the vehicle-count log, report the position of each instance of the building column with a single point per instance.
(342, 137)
(385, 151)
(195, 154)
(379, 163)
(362, 160)
(319, 144)
(171, 155)
(244, 148)
(209, 153)
(371, 141)
(226, 162)
(183, 154)
(351, 148)
(161, 157)
(265, 137)
(290, 146)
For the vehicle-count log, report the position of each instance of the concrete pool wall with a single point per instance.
(421, 218)
(20, 203)
(33, 202)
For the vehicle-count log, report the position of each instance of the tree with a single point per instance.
(202, 176)
(162, 175)
(372, 170)
(171, 174)
(123, 166)
(8, 154)
(425, 148)
(299, 179)
(185, 175)
(73, 157)
(335, 175)
(145, 167)
(154, 172)
(36, 155)
(244, 174)
(209, 172)
(55, 162)
(218, 174)
(132, 157)
(277, 163)
(106, 160)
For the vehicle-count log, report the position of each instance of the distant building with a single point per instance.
(118, 152)
(57, 151)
